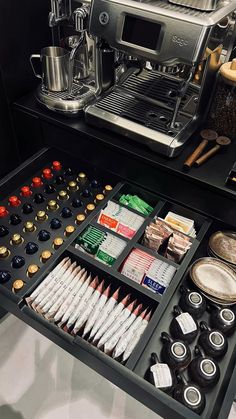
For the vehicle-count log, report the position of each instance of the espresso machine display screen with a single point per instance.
(141, 32)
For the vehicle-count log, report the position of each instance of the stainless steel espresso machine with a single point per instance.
(69, 80)
(167, 53)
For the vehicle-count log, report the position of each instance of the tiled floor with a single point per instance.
(38, 380)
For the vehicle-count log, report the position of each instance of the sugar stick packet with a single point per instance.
(105, 312)
(97, 310)
(128, 335)
(111, 343)
(75, 301)
(137, 335)
(83, 303)
(50, 292)
(89, 308)
(111, 318)
(60, 291)
(126, 312)
(61, 296)
(48, 279)
(72, 291)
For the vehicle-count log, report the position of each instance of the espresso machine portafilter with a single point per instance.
(167, 56)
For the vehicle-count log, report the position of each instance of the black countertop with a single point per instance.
(210, 175)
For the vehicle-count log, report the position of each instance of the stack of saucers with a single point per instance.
(216, 279)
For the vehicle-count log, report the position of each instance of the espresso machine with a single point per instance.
(167, 55)
(68, 76)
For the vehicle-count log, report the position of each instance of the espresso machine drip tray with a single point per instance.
(205, 5)
(142, 108)
(62, 102)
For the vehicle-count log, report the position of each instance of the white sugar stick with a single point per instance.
(61, 294)
(75, 301)
(111, 343)
(111, 318)
(97, 310)
(57, 271)
(83, 303)
(126, 312)
(60, 291)
(78, 282)
(50, 292)
(107, 309)
(128, 335)
(136, 337)
(89, 308)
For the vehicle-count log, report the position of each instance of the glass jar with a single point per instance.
(222, 116)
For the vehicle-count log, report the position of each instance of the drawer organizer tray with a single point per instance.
(131, 375)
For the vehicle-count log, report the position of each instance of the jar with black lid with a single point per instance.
(222, 116)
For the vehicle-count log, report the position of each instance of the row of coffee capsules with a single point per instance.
(212, 345)
(80, 304)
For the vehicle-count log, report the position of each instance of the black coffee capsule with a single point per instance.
(212, 341)
(193, 302)
(176, 353)
(183, 326)
(190, 395)
(160, 375)
(222, 318)
(203, 369)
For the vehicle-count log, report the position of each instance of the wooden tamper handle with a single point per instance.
(207, 135)
(222, 143)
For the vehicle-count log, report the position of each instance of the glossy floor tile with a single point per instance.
(38, 380)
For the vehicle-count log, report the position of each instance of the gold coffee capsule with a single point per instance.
(99, 198)
(32, 270)
(17, 285)
(53, 205)
(69, 230)
(16, 239)
(45, 256)
(90, 208)
(29, 227)
(107, 189)
(81, 177)
(72, 186)
(4, 252)
(80, 218)
(57, 242)
(41, 216)
(63, 195)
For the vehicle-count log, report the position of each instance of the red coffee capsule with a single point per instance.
(56, 165)
(47, 173)
(25, 191)
(37, 182)
(3, 212)
(14, 201)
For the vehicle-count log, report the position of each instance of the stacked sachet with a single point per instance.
(134, 202)
(148, 271)
(161, 238)
(102, 246)
(120, 219)
(80, 304)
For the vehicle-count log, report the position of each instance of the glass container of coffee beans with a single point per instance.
(222, 116)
